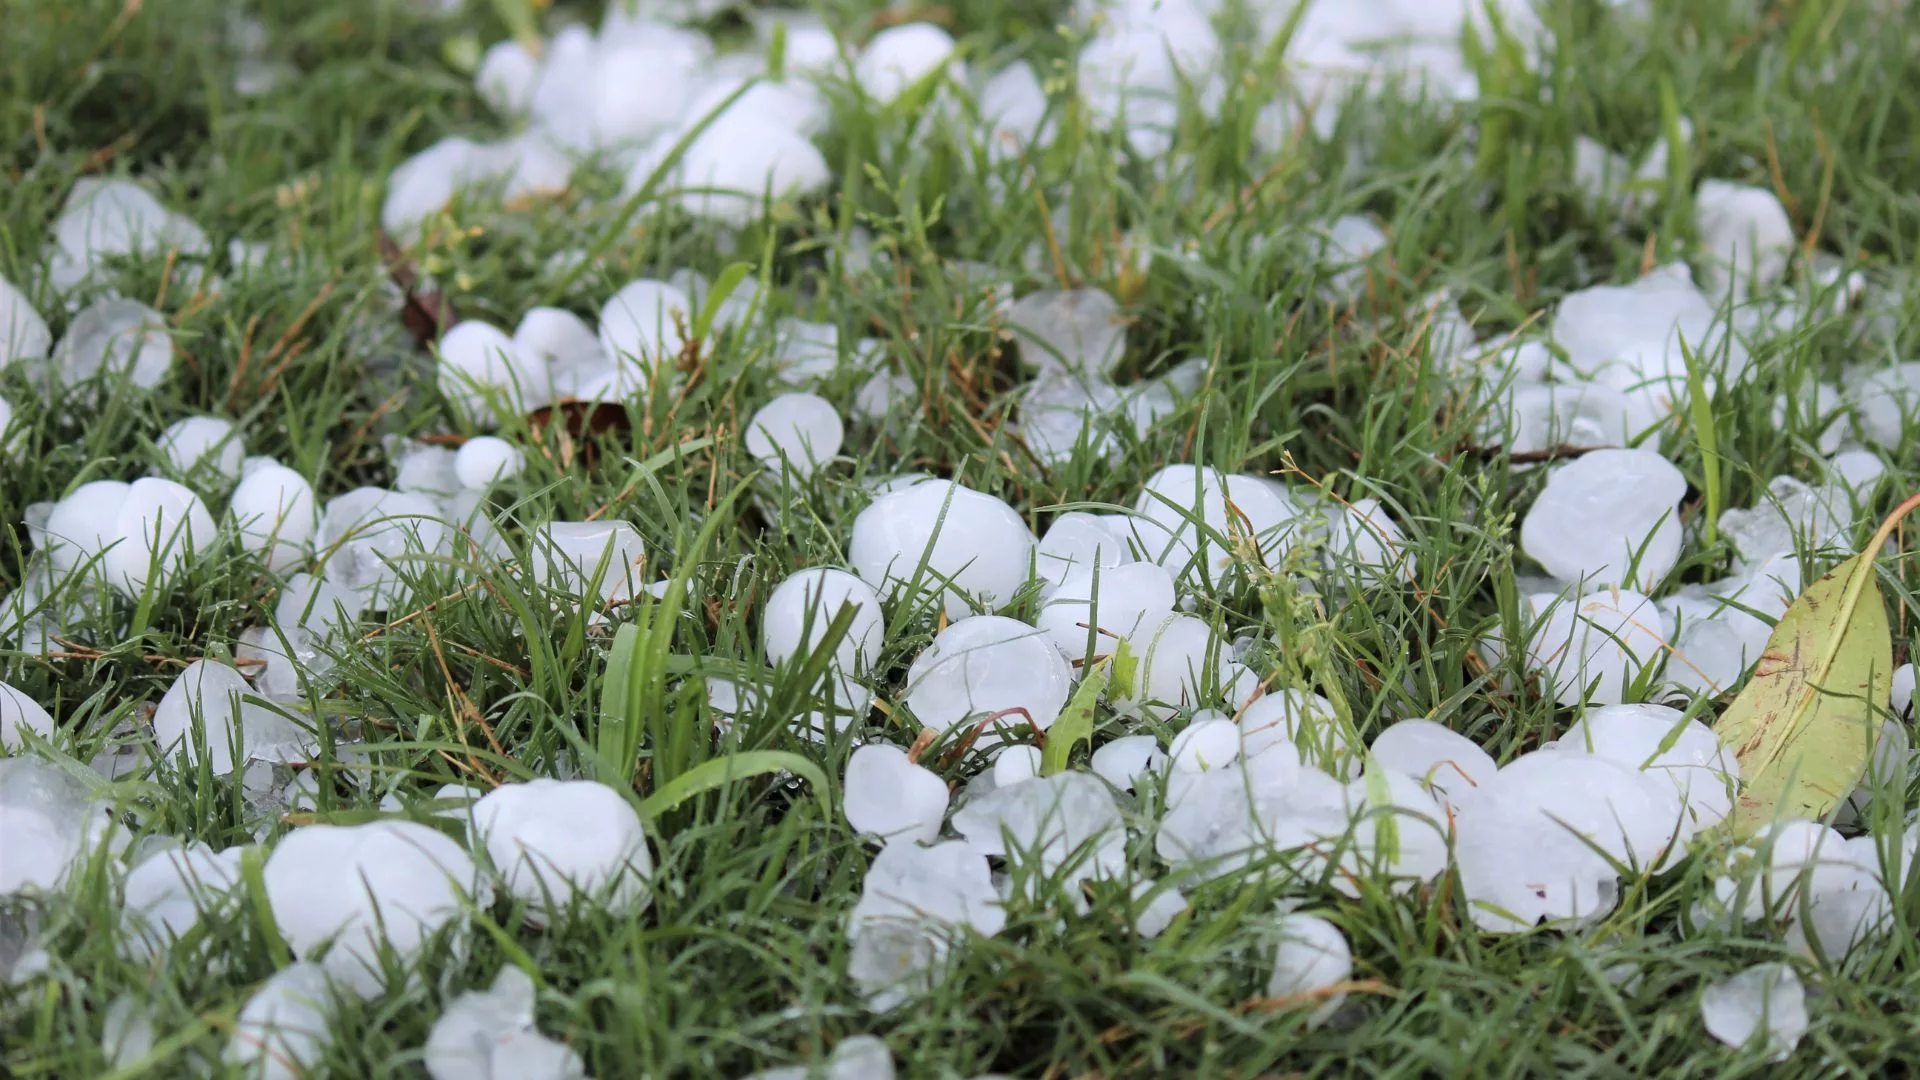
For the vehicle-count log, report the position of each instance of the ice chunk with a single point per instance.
(561, 843)
(206, 712)
(107, 219)
(1079, 331)
(803, 607)
(282, 1031)
(23, 333)
(1764, 1003)
(160, 528)
(881, 394)
(1532, 418)
(371, 534)
(1125, 760)
(974, 544)
(275, 509)
(988, 673)
(561, 344)
(1311, 962)
(484, 461)
(1304, 723)
(114, 341)
(1450, 762)
(203, 442)
(80, 526)
(1662, 742)
(1077, 540)
(18, 713)
(1611, 517)
(600, 561)
(796, 433)
(1013, 106)
(482, 372)
(912, 900)
(490, 1035)
(1788, 515)
(1746, 239)
(1092, 610)
(1066, 822)
(167, 893)
(900, 56)
(45, 821)
(1132, 71)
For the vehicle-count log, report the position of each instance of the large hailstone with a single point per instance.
(1438, 756)
(1184, 512)
(1764, 1003)
(275, 509)
(1077, 540)
(489, 1035)
(47, 822)
(795, 433)
(560, 843)
(81, 525)
(482, 371)
(598, 560)
(203, 442)
(1746, 238)
(900, 56)
(802, 609)
(1593, 649)
(912, 901)
(107, 219)
(167, 892)
(1603, 511)
(1077, 331)
(1181, 659)
(282, 1031)
(988, 668)
(115, 341)
(734, 168)
(1067, 822)
(643, 328)
(1661, 741)
(369, 534)
(1312, 959)
(889, 796)
(23, 333)
(158, 530)
(358, 889)
(207, 711)
(1091, 611)
(972, 543)
(18, 713)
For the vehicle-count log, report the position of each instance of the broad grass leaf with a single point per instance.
(1804, 728)
(719, 772)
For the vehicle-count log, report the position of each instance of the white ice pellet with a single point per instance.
(1076, 541)
(105, 219)
(1064, 822)
(205, 711)
(274, 507)
(283, 1030)
(561, 344)
(47, 820)
(1255, 516)
(208, 442)
(80, 526)
(900, 56)
(1611, 517)
(1764, 1003)
(1303, 722)
(803, 607)
(732, 168)
(127, 1032)
(1015, 764)
(1313, 958)
(355, 890)
(599, 561)
(972, 542)
(506, 77)
(881, 394)
(485, 461)
(891, 797)
(484, 375)
(560, 845)
(166, 894)
(988, 668)
(18, 713)
(490, 1035)
(160, 528)
(1181, 658)
(371, 536)
(1077, 331)
(1367, 546)
(795, 433)
(1013, 107)
(1595, 647)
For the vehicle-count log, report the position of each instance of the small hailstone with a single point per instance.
(1205, 744)
(422, 468)
(1600, 511)
(1745, 235)
(727, 172)
(46, 820)
(1600, 643)
(857, 1057)
(354, 890)
(976, 544)
(481, 371)
(490, 1035)
(116, 340)
(893, 798)
(483, 462)
(564, 346)
(803, 607)
(1304, 722)
(1013, 105)
(506, 77)
(23, 333)
(1091, 611)
(1077, 540)
(558, 842)
(567, 553)
(1181, 657)
(127, 1032)
(1345, 246)
(988, 667)
(282, 1031)
(1817, 402)
(800, 432)
(1125, 760)
(205, 711)
(166, 894)
(160, 527)
(1765, 1000)
(881, 394)
(1450, 762)
(900, 56)
(18, 713)
(642, 329)
(1014, 764)
(1313, 957)
(1078, 331)
(274, 507)
(203, 441)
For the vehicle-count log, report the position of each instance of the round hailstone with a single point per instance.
(1077, 540)
(1661, 741)
(1448, 761)
(796, 431)
(987, 667)
(891, 797)
(481, 371)
(23, 333)
(203, 442)
(1125, 760)
(1368, 547)
(568, 347)
(1088, 616)
(1244, 509)
(167, 892)
(120, 340)
(1601, 511)
(1182, 658)
(274, 507)
(1015, 764)
(1594, 648)
(204, 711)
(160, 527)
(881, 394)
(567, 553)
(1211, 741)
(1744, 234)
(1303, 722)
(561, 842)
(506, 77)
(900, 56)
(483, 462)
(1765, 1002)
(803, 607)
(282, 1031)
(642, 328)
(18, 713)
(491, 1033)
(1079, 330)
(734, 168)
(354, 889)
(1313, 958)
(971, 541)
(81, 525)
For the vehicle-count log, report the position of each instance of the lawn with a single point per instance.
(1335, 278)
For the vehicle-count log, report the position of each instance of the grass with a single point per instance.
(740, 963)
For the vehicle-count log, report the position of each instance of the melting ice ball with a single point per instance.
(1601, 512)
(972, 541)
(988, 667)
(560, 842)
(795, 432)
